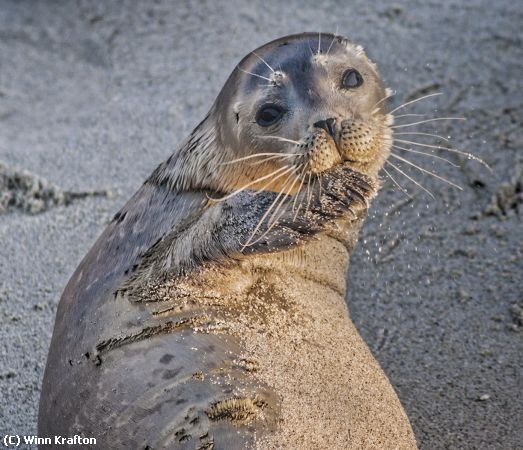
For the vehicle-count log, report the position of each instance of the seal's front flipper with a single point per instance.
(340, 192)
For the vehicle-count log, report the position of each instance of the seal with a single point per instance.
(210, 313)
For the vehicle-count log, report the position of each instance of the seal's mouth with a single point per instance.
(363, 143)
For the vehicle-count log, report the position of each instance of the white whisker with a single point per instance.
(421, 134)
(279, 138)
(255, 75)
(400, 187)
(409, 115)
(410, 178)
(248, 185)
(248, 243)
(269, 158)
(410, 150)
(309, 193)
(264, 62)
(265, 186)
(414, 101)
(387, 95)
(302, 177)
(406, 161)
(319, 43)
(333, 39)
(427, 121)
(449, 149)
(257, 155)
(274, 218)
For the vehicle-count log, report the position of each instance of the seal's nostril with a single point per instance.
(329, 125)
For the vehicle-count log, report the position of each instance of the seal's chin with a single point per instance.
(320, 152)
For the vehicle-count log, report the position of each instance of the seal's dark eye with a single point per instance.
(268, 115)
(351, 79)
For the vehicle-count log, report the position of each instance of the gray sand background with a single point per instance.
(93, 95)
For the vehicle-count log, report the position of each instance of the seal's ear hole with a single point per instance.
(236, 110)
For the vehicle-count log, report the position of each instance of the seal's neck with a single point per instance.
(196, 165)
(324, 261)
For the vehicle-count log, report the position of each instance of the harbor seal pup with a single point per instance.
(210, 313)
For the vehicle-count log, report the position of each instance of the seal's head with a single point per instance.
(294, 107)
(314, 96)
